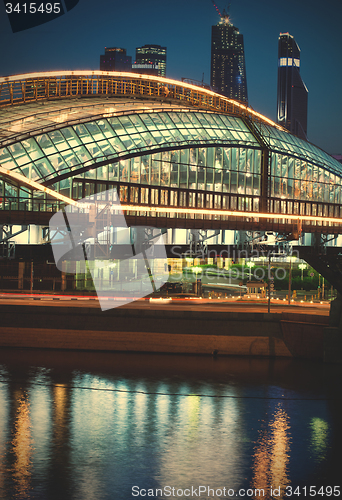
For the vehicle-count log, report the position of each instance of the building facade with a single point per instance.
(115, 59)
(228, 71)
(292, 95)
(150, 59)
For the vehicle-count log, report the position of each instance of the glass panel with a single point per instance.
(242, 162)
(127, 124)
(33, 149)
(116, 144)
(241, 184)
(44, 167)
(116, 126)
(135, 170)
(165, 174)
(57, 162)
(167, 135)
(139, 143)
(210, 157)
(124, 170)
(127, 142)
(83, 133)
(70, 158)
(95, 131)
(102, 172)
(158, 123)
(113, 171)
(217, 180)
(257, 161)
(71, 136)
(256, 185)
(201, 177)
(175, 117)
(202, 119)
(155, 170)
(291, 167)
(106, 148)
(193, 119)
(174, 169)
(233, 182)
(157, 137)
(82, 154)
(210, 179)
(273, 163)
(192, 177)
(183, 170)
(145, 170)
(226, 158)
(105, 128)
(19, 154)
(234, 158)
(226, 179)
(149, 140)
(148, 122)
(249, 160)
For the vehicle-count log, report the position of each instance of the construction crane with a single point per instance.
(219, 13)
(225, 14)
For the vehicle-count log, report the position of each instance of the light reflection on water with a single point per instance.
(90, 426)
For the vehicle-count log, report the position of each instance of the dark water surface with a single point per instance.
(90, 426)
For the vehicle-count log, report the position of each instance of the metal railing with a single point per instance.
(70, 84)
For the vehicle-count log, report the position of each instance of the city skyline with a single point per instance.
(87, 30)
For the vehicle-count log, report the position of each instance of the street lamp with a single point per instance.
(250, 265)
(302, 266)
(196, 270)
(290, 277)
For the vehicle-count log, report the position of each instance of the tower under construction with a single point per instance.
(228, 71)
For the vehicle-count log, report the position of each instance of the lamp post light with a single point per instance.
(290, 277)
(196, 270)
(250, 265)
(302, 266)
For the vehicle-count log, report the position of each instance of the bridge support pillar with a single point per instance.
(333, 333)
(21, 269)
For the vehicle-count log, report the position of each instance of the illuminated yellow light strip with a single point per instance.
(202, 211)
(39, 187)
(138, 76)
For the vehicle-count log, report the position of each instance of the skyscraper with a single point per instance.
(292, 96)
(228, 72)
(115, 59)
(151, 58)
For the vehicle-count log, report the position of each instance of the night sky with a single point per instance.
(76, 40)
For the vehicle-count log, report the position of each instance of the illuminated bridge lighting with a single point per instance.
(44, 79)
(39, 187)
(230, 213)
(168, 147)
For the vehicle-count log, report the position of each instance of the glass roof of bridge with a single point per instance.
(29, 118)
(84, 131)
(68, 150)
(286, 143)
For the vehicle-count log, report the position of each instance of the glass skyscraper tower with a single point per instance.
(228, 71)
(292, 96)
(153, 56)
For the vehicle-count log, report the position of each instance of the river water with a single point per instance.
(98, 426)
